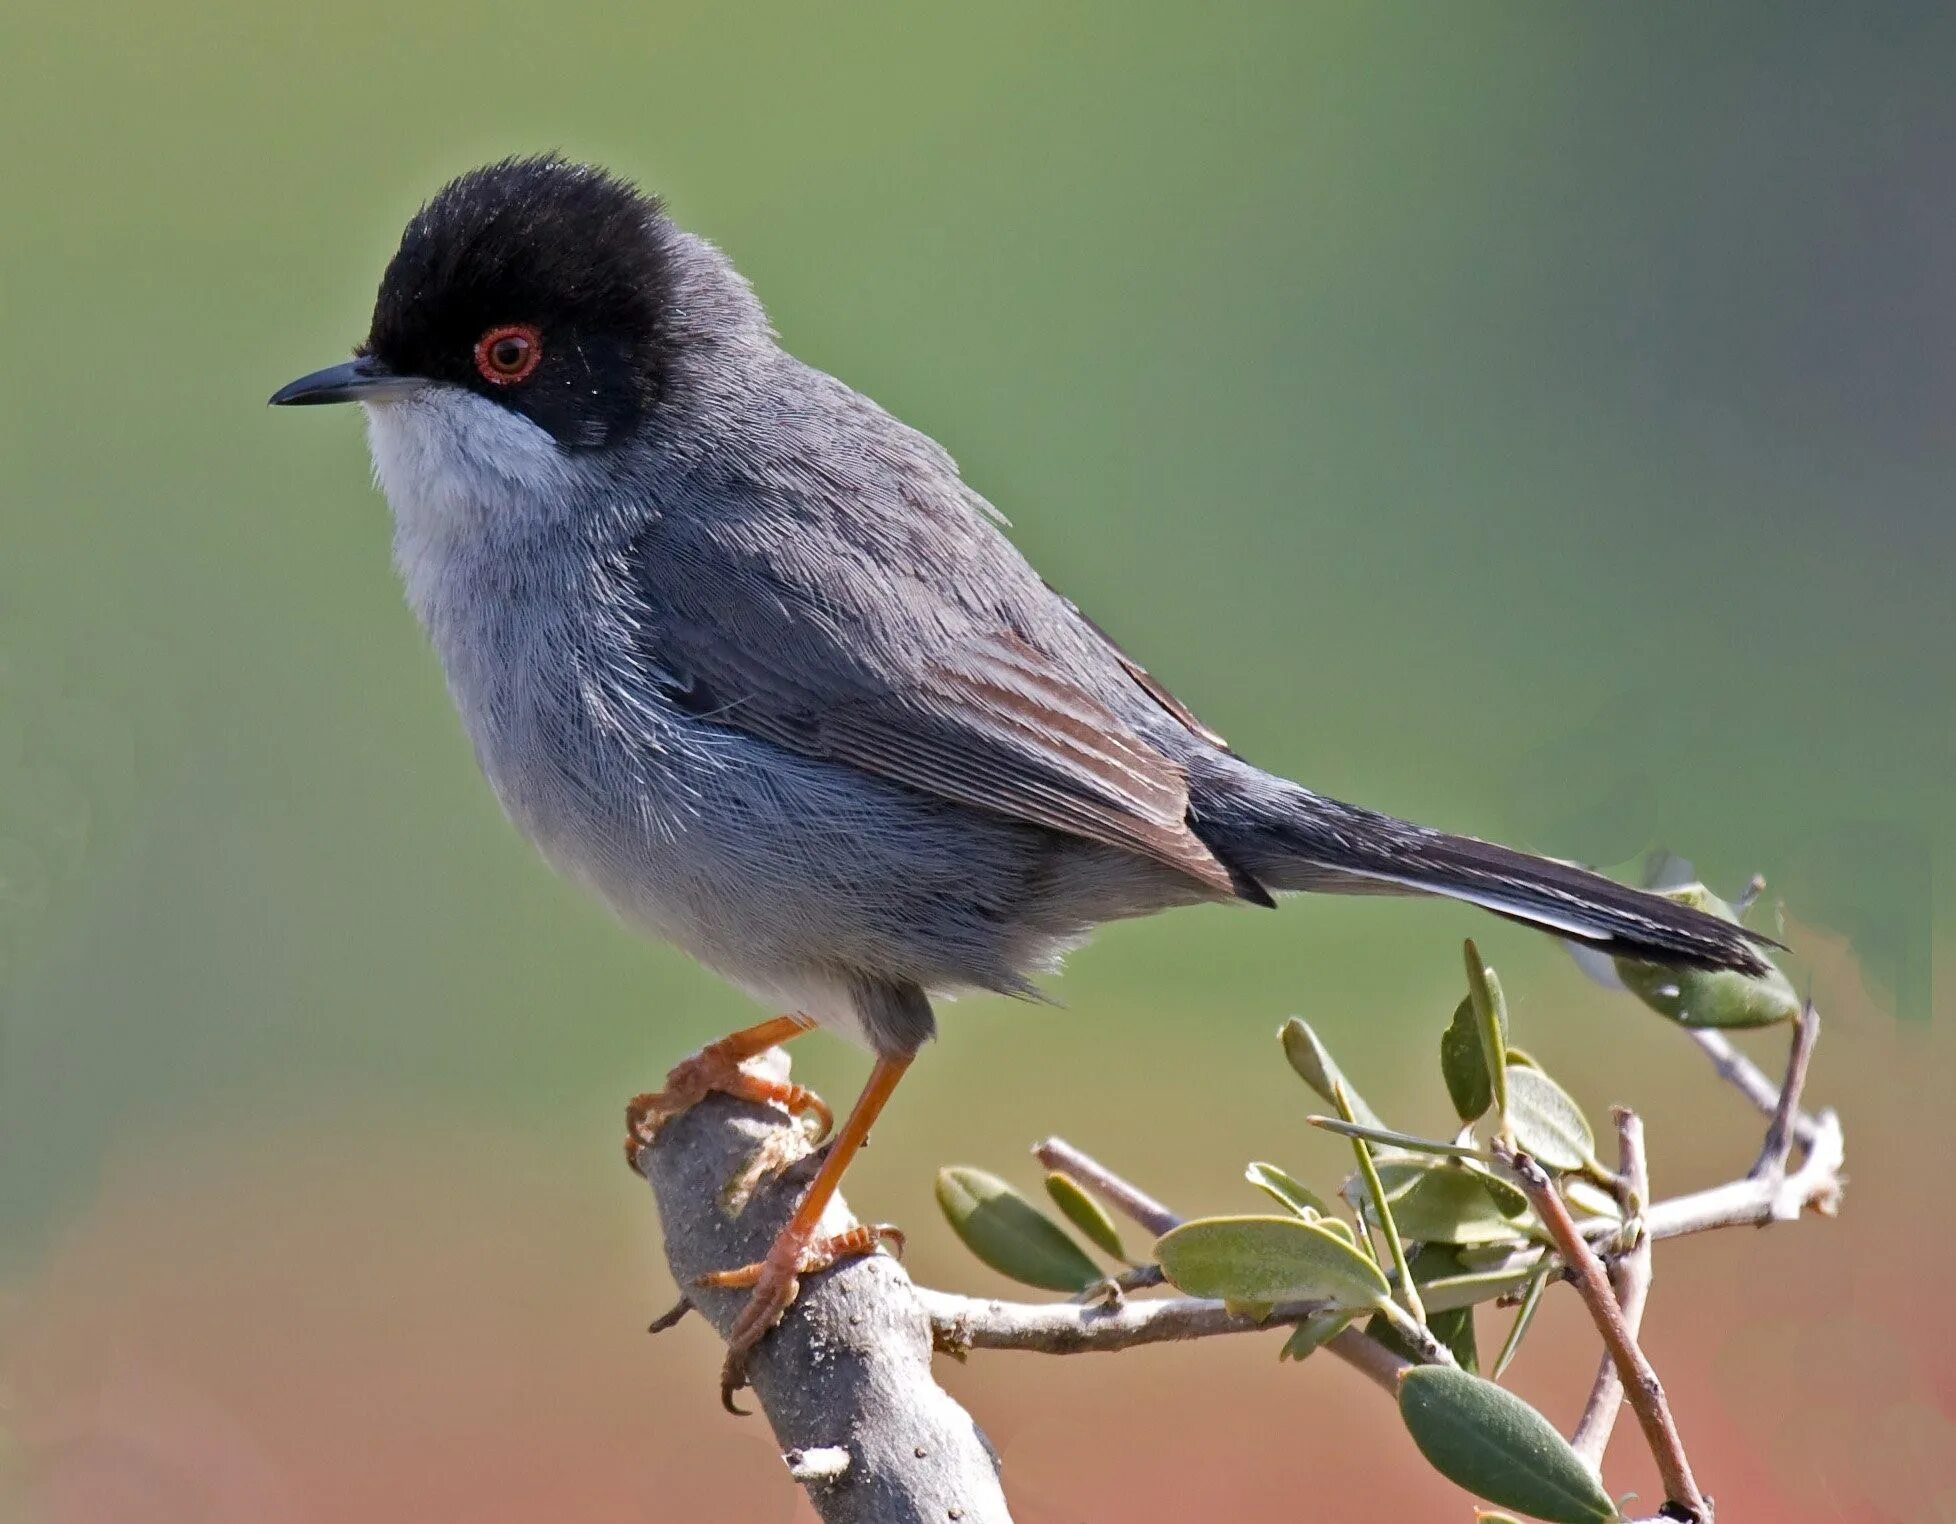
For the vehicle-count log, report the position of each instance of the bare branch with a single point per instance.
(1092, 1175)
(846, 1379)
(963, 1323)
(1645, 1391)
(1779, 1136)
(1630, 1279)
(1816, 1185)
(960, 1324)
(1133, 1278)
(1369, 1358)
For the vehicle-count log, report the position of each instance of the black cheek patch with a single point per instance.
(585, 399)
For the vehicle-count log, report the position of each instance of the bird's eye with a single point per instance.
(508, 354)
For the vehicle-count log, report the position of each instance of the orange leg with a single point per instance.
(717, 1066)
(798, 1249)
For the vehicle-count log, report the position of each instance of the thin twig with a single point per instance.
(1420, 1339)
(1136, 1278)
(1369, 1358)
(960, 1324)
(1090, 1173)
(1779, 1136)
(1644, 1390)
(1816, 1185)
(1630, 1276)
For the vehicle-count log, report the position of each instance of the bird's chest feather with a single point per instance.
(489, 545)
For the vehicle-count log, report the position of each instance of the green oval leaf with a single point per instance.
(1498, 1447)
(1463, 1064)
(1314, 1065)
(1313, 1334)
(1590, 1200)
(1547, 1122)
(1086, 1214)
(1700, 997)
(1009, 1233)
(1491, 1022)
(1286, 1192)
(1507, 1197)
(1343, 1229)
(1269, 1259)
(1453, 1327)
(1494, 1256)
(1470, 1288)
(1399, 1176)
(1452, 1205)
(1524, 1316)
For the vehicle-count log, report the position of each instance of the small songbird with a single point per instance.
(746, 656)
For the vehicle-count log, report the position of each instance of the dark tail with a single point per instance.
(1287, 838)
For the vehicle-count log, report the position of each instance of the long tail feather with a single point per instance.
(1301, 840)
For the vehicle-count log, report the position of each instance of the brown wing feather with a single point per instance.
(1147, 681)
(1004, 730)
(984, 720)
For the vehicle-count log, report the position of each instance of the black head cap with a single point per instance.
(572, 265)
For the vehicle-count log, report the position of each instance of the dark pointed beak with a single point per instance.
(361, 380)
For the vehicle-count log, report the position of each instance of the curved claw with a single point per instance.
(708, 1070)
(776, 1282)
(801, 1101)
(775, 1288)
(733, 1376)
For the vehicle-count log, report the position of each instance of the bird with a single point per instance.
(746, 657)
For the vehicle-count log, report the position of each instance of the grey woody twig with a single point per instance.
(1630, 1279)
(963, 1323)
(1640, 1383)
(846, 1379)
(1786, 1109)
(1090, 1174)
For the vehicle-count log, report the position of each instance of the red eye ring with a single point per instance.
(508, 353)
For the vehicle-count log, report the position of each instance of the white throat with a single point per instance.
(467, 480)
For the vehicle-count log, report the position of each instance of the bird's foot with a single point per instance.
(776, 1280)
(717, 1066)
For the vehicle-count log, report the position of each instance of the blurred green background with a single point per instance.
(1533, 419)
